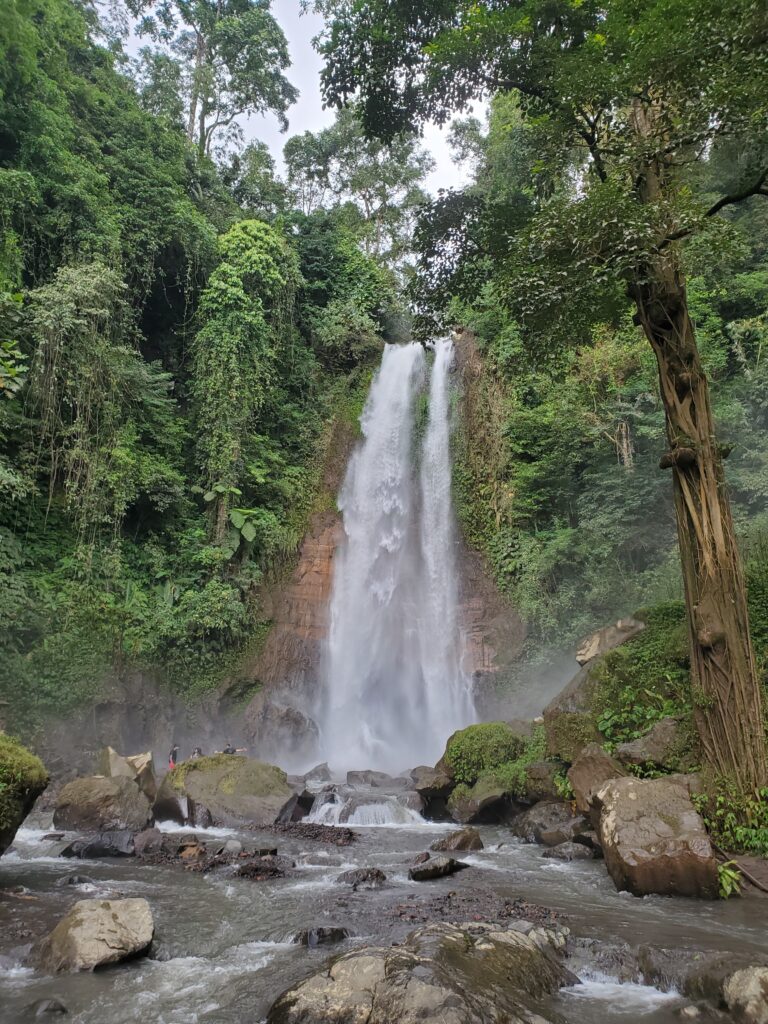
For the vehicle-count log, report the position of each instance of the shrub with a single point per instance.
(481, 749)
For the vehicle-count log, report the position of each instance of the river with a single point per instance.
(223, 949)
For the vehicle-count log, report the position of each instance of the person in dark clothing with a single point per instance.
(196, 753)
(173, 757)
(229, 749)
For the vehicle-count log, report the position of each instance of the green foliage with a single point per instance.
(729, 879)
(737, 823)
(480, 750)
(512, 774)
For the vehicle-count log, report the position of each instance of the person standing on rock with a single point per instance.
(173, 757)
(196, 753)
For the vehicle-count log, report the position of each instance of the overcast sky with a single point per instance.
(308, 113)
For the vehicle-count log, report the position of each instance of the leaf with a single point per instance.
(209, 496)
(237, 518)
(249, 532)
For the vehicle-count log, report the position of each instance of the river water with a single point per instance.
(222, 951)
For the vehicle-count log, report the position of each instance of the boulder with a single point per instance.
(320, 936)
(607, 639)
(746, 995)
(298, 807)
(106, 844)
(434, 787)
(378, 779)
(436, 867)
(569, 851)
(22, 779)
(569, 721)
(100, 804)
(653, 839)
(149, 841)
(487, 802)
(95, 933)
(442, 974)
(539, 782)
(464, 839)
(320, 773)
(550, 817)
(655, 748)
(232, 790)
(362, 878)
(591, 769)
(138, 767)
(42, 1007)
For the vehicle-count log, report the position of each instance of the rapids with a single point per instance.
(222, 951)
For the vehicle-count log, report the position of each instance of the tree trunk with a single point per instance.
(195, 94)
(725, 687)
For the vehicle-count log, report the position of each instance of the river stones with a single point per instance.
(441, 974)
(95, 933)
(463, 839)
(653, 840)
(234, 791)
(99, 804)
(437, 867)
(320, 936)
(119, 843)
(365, 878)
(591, 769)
(746, 995)
(569, 851)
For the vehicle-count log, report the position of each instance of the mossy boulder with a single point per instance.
(480, 749)
(569, 719)
(233, 790)
(487, 802)
(22, 779)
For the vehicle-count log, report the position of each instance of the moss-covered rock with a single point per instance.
(569, 719)
(479, 749)
(233, 789)
(22, 779)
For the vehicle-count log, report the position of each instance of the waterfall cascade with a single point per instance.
(394, 684)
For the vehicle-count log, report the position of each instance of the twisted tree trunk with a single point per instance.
(726, 690)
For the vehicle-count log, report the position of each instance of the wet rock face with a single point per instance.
(99, 804)
(653, 839)
(591, 770)
(95, 933)
(607, 639)
(442, 974)
(436, 867)
(487, 802)
(568, 719)
(434, 787)
(23, 779)
(464, 839)
(232, 790)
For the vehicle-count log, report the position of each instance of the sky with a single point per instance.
(308, 114)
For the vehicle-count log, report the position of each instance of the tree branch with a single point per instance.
(757, 188)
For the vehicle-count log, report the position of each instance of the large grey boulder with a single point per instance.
(138, 767)
(232, 790)
(655, 748)
(653, 839)
(435, 867)
(100, 804)
(434, 786)
(95, 933)
(442, 974)
(591, 770)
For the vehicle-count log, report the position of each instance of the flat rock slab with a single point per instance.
(437, 867)
(95, 933)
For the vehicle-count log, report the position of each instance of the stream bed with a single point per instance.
(223, 947)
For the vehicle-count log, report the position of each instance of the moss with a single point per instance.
(22, 775)
(568, 733)
(481, 749)
(229, 773)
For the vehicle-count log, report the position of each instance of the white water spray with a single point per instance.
(394, 684)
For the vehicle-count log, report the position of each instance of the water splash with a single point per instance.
(394, 684)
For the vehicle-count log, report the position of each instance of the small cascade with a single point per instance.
(394, 686)
(354, 809)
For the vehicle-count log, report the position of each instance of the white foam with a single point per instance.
(171, 827)
(625, 997)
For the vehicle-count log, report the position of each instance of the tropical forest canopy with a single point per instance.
(182, 325)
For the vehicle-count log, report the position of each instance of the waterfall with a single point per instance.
(394, 685)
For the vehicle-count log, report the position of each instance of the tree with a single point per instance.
(641, 91)
(234, 54)
(255, 187)
(380, 182)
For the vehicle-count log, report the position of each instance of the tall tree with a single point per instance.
(381, 181)
(641, 90)
(234, 54)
